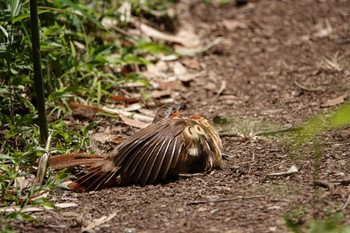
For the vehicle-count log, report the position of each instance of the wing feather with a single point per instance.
(163, 153)
(168, 159)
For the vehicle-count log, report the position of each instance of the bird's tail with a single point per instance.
(99, 172)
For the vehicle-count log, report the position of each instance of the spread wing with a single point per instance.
(152, 153)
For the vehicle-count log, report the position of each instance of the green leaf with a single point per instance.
(64, 92)
(137, 78)
(4, 31)
(148, 47)
(72, 49)
(25, 16)
(20, 216)
(83, 12)
(15, 7)
(27, 103)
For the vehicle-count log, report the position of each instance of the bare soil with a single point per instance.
(271, 60)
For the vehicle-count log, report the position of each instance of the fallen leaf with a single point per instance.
(179, 69)
(133, 122)
(29, 208)
(160, 93)
(184, 37)
(339, 100)
(185, 51)
(165, 85)
(190, 76)
(127, 114)
(123, 99)
(147, 112)
(97, 222)
(323, 29)
(133, 107)
(102, 137)
(24, 182)
(191, 62)
(118, 139)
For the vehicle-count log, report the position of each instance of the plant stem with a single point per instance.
(38, 75)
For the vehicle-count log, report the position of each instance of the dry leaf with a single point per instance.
(133, 107)
(190, 76)
(179, 69)
(158, 94)
(24, 182)
(123, 99)
(97, 222)
(147, 112)
(184, 37)
(191, 62)
(323, 29)
(133, 122)
(102, 137)
(199, 49)
(339, 100)
(127, 114)
(30, 208)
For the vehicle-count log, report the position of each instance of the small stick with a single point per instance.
(223, 200)
(324, 184)
(307, 88)
(346, 203)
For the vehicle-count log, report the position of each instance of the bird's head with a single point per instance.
(167, 111)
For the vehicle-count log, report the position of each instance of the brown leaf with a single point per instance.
(191, 62)
(123, 99)
(133, 122)
(158, 94)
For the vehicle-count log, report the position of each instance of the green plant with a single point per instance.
(331, 224)
(82, 61)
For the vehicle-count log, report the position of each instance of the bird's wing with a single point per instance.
(152, 153)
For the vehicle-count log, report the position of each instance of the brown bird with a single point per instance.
(170, 146)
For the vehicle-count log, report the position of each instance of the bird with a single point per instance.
(170, 146)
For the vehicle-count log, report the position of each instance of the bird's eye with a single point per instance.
(199, 128)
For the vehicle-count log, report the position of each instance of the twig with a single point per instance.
(223, 200)
(342, 182)
(307, 88)
(325, 184)
(293, 169)
(346, 203)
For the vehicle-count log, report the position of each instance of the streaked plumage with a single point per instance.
(170, 146)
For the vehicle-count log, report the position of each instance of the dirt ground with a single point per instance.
(273, 60)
